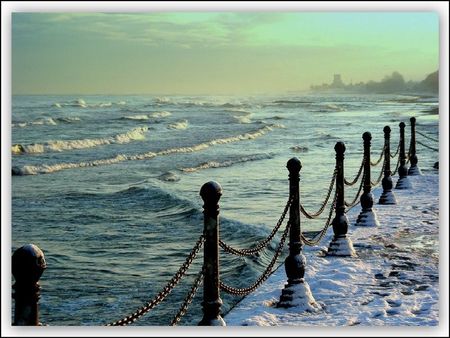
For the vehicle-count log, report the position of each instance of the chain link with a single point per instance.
(319, 236)
(426, 146)
(426, 136)
(165, 291)
(319, 212)
(379, 160)
(380, 177)
(261, 245)
(188, 300)
(396, 167)
(263, 277)
(357, 176)
(396, 152)
(358, 194)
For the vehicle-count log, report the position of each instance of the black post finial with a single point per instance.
(367, 217)
(28, 264)
(387, 197)
(211, 193)
(340, 245)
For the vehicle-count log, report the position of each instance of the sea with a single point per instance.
(108, 186)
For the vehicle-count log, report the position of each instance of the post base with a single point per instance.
(414, 170)
(403, 183)
(298, 295)
(217, 321)
(387, 197)
(367, 218)
(341, 246)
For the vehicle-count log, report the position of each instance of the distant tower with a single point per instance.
(337, 81)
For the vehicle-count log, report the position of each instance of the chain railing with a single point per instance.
(427, 137)
(310, 215)
(318, 237)
(396, 152)
(380, 176)
(165, 291)
(245, 291)
(360, 170)
(188, 300)
(373, 164)
(427, 146)
(260, 245)
(210, 241)
(358, 194)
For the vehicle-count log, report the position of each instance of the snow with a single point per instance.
(392, 281)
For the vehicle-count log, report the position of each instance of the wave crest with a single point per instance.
(60, 145)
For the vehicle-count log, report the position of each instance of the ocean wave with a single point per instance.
(60, 145)
(48, 121)
(242, 119)
(142, 117)
(299, 149)
(46, 169)
(169, 176)
(227, 163)
(182, 124)
(81, 103)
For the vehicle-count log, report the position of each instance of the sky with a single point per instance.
(201, 53)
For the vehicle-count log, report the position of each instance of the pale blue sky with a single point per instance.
(216, 53)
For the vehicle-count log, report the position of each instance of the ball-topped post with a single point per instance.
(414, 168)
(28, 264)
(387, 196)
(211, 193)
(403, 182)
(367, 216)
(340, 245)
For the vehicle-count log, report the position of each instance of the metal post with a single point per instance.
(403, 182)
(340, 245)
(413, 169)
(28, 264)
(296, 291)
(367, 217)
(211, 193)
(387, 197)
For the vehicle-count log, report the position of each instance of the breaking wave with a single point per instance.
(45, 169)
(60, 145)
(49, 121)
(142, 117)
(228, 163)
(82, 104)
(182, 124)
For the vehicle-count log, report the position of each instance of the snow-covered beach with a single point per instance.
(394, 281)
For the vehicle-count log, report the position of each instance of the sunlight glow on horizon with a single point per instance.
(216, 52)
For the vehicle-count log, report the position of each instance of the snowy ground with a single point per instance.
(393, 281)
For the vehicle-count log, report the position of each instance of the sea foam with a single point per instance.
(61, 145)
(45, 169)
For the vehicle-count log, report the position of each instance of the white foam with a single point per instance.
(44, 169)
(182, 124)
(228, 163)
(62, 145)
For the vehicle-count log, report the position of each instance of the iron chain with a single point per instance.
(319, 212)
(426, 136)
(396, 152)
(165, 291)
(358, 175)
(380, 177)
(261, 245)
(358, 194)
(188, 300)
(318, 238)
(379, 160)
(245, 291)
(426, 146)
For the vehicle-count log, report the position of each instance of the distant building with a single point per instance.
(337, 81)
